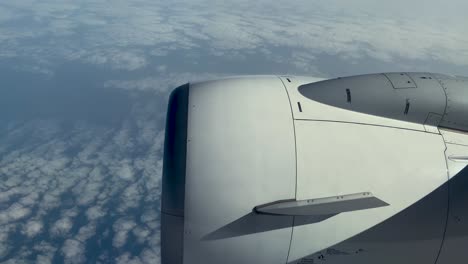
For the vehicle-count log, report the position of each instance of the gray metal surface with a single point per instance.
(423, 98)
(382, 95)
(456, 113)
(323, 206)
(400, 80)
(172, 239)
(459, 158)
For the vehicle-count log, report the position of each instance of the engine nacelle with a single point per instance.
(285, 169)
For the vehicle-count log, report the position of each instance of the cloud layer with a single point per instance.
(130, 36)
(81, 193)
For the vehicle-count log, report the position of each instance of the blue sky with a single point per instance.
(84, 86)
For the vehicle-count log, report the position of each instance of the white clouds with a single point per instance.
(96, 33)
(61, 227)
(95, 212)
(30, 199)
(54, 166)
(125, 171)
(86, 232)
(4, 245)
(65, 187)
(142, 84)
(151, 219)
(148, 256)
(141, 234)
(121, 228)
(6, 194)
(45, 253)
(14, 213)
(118, 59)
(73, 251)
(44, 259)
(89, 187)
(33, 228)
(128, 259)
(162, 84)
(151, 256)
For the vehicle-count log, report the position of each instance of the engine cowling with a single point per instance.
(285, 169)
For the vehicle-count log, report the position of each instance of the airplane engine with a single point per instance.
(288, 169)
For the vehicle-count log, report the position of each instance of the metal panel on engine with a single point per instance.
(400, 80)
(398, 166)
(456, 88)
(369, 99)
(240, 154)
(456, 237)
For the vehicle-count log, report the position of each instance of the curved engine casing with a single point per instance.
(240, 148)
